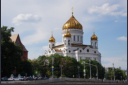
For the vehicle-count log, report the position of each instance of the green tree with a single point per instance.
(119, 73)
(10, 53)
(101, 70)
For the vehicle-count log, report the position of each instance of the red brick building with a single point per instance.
(16, 39)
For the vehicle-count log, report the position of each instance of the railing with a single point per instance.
(65, 80)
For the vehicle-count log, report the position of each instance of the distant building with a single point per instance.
(72, 43)
(16, 39)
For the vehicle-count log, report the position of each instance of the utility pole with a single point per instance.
(61, 69)
(84, 68)
(78, 71)
(52, 65)
(113, 71)
(90, 68)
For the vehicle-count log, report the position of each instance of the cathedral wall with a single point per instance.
(74, 32)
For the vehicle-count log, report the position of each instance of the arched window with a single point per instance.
(78, 38)
(94, 51)
(69, 42)
(87, 50)
(52, 45)
(95, 44)
(65, 42)
(74, 37)
(80, 50)
(69, 51)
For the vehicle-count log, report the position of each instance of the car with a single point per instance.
(4, 78)
(40, 78)
(46, 78)
(21, 78)
(35, 78)
(11, 78)
(29, 78)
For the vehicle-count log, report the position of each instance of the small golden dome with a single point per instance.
(94, 37)
(67, 34)
(52, 39)
(72, 23)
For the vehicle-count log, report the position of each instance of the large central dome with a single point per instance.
(72, 23)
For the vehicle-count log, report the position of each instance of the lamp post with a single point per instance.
(78, 71)
(113, 71)
(84, 68)
(90, 68)
(52, 65)
(61, 69)
(97, 72)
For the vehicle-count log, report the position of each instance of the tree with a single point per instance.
(101, 70)
(10, 53)
(118, 74)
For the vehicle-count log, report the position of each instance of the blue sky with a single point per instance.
(34, 20)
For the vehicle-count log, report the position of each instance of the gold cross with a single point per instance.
(93, 31)
(72, 9)
(52, 33)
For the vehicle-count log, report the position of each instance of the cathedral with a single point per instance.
(72, 43)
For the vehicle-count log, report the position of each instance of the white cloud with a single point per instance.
(107, 9)
(118, 61)
(116, 20)
(122, 38)
(38, 37)
(22, 18)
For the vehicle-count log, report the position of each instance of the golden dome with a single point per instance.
(72, 23)
(94, 37)
(67, 34)
(52, 39)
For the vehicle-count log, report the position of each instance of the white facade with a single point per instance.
(73, 46)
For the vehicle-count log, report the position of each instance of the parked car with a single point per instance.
(29, 78)
(11, 78)
(40, 78)
(46, 78)
(52, 78)
(19, 78)
(4, 78)
(35, 78)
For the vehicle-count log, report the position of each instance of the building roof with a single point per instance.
(14, 37)
(62, 45)
(24, 49)
(80, 45)
(58, 50)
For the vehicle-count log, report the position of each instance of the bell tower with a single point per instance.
(94, 41)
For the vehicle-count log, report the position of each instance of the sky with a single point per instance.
(34, 20)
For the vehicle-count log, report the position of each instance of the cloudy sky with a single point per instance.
(34, 20)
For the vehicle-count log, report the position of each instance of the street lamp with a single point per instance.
(61, 69)
(90, 68)
(113, 71)
(84, 68)
(52, 65)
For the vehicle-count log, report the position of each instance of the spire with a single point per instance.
(52, 38)
(72, 10)
(93, 31)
